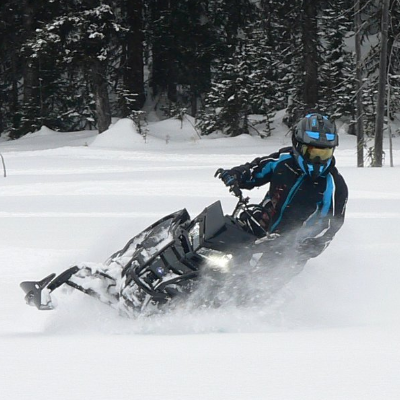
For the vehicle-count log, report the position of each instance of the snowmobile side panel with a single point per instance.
(177, 217)
(230, 237)
(214, 220)
(219, 232)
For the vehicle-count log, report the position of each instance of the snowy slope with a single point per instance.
(332, 333)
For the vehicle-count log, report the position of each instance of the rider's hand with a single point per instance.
(230, 178)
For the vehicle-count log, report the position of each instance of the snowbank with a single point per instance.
(122, 135)
(43, 131)
(175, 130)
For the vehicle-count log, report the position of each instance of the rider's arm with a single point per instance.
(259, 171)
(312, 247)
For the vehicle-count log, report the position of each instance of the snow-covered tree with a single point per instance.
(243, 84)
(130, 67)
(394, 56)
(10, 64)
(181, 48)
(336, 77)
(292, 28)
(82, 38)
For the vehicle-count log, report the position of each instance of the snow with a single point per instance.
(332, 333)
(122, 135)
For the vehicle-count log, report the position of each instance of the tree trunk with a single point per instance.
(100, 91)
(133, 71)
(359, 108)
(163, 73)
(14, 90)
(310, 43)
(31, 101)
(30, 74)
(380, 107)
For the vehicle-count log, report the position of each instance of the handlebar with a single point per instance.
(234, 188)
(243, 205)
(237, 192)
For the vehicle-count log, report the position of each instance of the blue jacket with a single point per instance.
(312, 208)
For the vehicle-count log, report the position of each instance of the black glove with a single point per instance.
(230, 178)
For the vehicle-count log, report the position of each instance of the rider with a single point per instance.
(307, 195)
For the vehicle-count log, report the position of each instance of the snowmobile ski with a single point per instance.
(34, 293)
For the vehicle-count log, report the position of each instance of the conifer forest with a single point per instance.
(74, 64)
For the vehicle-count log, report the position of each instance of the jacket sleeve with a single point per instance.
(339, 209)
(258, 172)
(314, 246)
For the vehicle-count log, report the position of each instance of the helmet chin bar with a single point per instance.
(313, 170)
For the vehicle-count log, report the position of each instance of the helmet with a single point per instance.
(314, 140)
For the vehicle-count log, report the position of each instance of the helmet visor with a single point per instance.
(316, 154)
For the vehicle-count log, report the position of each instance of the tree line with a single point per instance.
(72, 64)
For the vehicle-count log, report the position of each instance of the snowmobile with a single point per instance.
(167, 262)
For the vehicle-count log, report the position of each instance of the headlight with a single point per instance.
(216, 259)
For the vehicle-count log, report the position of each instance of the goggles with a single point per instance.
(316, 154)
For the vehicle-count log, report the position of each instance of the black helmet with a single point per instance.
(314, 140)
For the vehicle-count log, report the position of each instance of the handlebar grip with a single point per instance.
(234, 188)
(236, 191)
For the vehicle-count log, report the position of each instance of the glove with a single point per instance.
(230, 178)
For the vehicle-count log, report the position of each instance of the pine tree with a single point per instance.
(132, 91)
(337, 79)
(394, 57)
(228, 103)
(83, 40)
(182, 47)
(243, 85)
(370, 19)
(291, 28)
(31, 111)
(10, 65)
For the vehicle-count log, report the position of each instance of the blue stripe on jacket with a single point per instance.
(270, 167)
(328, 195)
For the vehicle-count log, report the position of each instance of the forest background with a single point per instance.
(74, 64)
